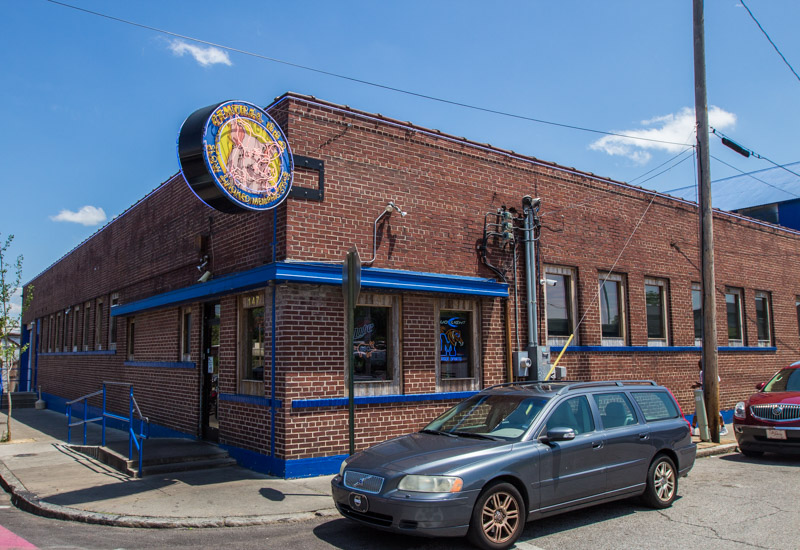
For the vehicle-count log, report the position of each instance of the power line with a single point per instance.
(753, 17)
(752, 176)
(361, 81)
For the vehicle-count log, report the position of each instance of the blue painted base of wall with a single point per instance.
(727, 416)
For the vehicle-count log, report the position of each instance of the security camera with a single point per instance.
(204, 277)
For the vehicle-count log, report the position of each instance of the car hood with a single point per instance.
(766, 398)
(426, 453)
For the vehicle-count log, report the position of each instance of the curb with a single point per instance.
(30, 502)
(717, 450)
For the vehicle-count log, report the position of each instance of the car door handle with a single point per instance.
(597, 445)
(644, 436)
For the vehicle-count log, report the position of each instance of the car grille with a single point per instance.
(776, 411)
(363, 482)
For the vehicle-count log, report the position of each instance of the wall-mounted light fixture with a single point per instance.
(390, 207)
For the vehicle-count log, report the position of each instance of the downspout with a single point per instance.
(509, 345)
(36, 355)
(274, 331)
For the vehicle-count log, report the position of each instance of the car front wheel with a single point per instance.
(662, 483)
(498, 517)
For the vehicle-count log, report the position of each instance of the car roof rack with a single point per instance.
(569, 385)
(600, 384)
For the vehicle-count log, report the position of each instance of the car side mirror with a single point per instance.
(558, 434)
(760, 386)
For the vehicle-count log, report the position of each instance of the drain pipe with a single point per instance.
(529, 207)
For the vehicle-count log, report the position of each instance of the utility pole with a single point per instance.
(710, 370)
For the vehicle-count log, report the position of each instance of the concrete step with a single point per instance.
(161, 456)
(19, 400)
(181, 466)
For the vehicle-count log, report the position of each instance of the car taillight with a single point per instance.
(680, 410)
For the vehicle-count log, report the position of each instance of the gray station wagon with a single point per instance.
(517, 452)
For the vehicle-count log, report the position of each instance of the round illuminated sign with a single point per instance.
(235, 157)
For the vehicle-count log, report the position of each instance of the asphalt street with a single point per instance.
(727, 502)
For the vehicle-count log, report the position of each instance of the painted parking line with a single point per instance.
(10, 541)
(523, 545)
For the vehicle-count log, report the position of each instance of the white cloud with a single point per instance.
(88, 215)
(205, 56)
(676, 128)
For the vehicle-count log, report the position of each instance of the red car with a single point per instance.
(769, 421)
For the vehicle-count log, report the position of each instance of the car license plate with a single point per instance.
(359, 503)
(776, 434)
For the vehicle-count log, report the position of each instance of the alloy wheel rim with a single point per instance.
(664, 481)
(500, 517)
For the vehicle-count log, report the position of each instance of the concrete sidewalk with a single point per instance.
(48, 478)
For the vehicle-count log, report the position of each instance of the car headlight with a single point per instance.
(343, 466)
(431, 484)
(739, 410)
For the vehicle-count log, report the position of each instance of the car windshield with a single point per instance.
(785, 380)
(497, 416)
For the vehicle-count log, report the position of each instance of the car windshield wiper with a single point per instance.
(436, 432)
(476, 435)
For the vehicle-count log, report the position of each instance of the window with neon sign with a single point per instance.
(455, 344)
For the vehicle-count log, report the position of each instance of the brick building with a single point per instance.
(255, 358)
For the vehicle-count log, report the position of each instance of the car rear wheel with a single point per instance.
(662, 483)
(498, 517)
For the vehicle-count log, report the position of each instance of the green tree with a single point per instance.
(10, 279)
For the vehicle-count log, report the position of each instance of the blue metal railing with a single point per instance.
(135, 439)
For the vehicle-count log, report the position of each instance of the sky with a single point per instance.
(92, 106)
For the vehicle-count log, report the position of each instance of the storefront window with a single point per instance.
(186, 335)
(612, 309)
(455, 344)
(458, 345)
(131, 337)
(372, 339)
(252, 336)
(559, 294)
(697, 312)
(254, 343)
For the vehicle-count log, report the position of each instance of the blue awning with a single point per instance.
(316, 273)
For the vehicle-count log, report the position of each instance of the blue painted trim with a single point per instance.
(77, 353)
(381, 399)
(248, 399)
(312, 467)
(162, 364)
(256, 461)
(727, 416)
(273, 398)
(654, 349)
(316, 273)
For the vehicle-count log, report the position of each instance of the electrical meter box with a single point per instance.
(521, 363)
